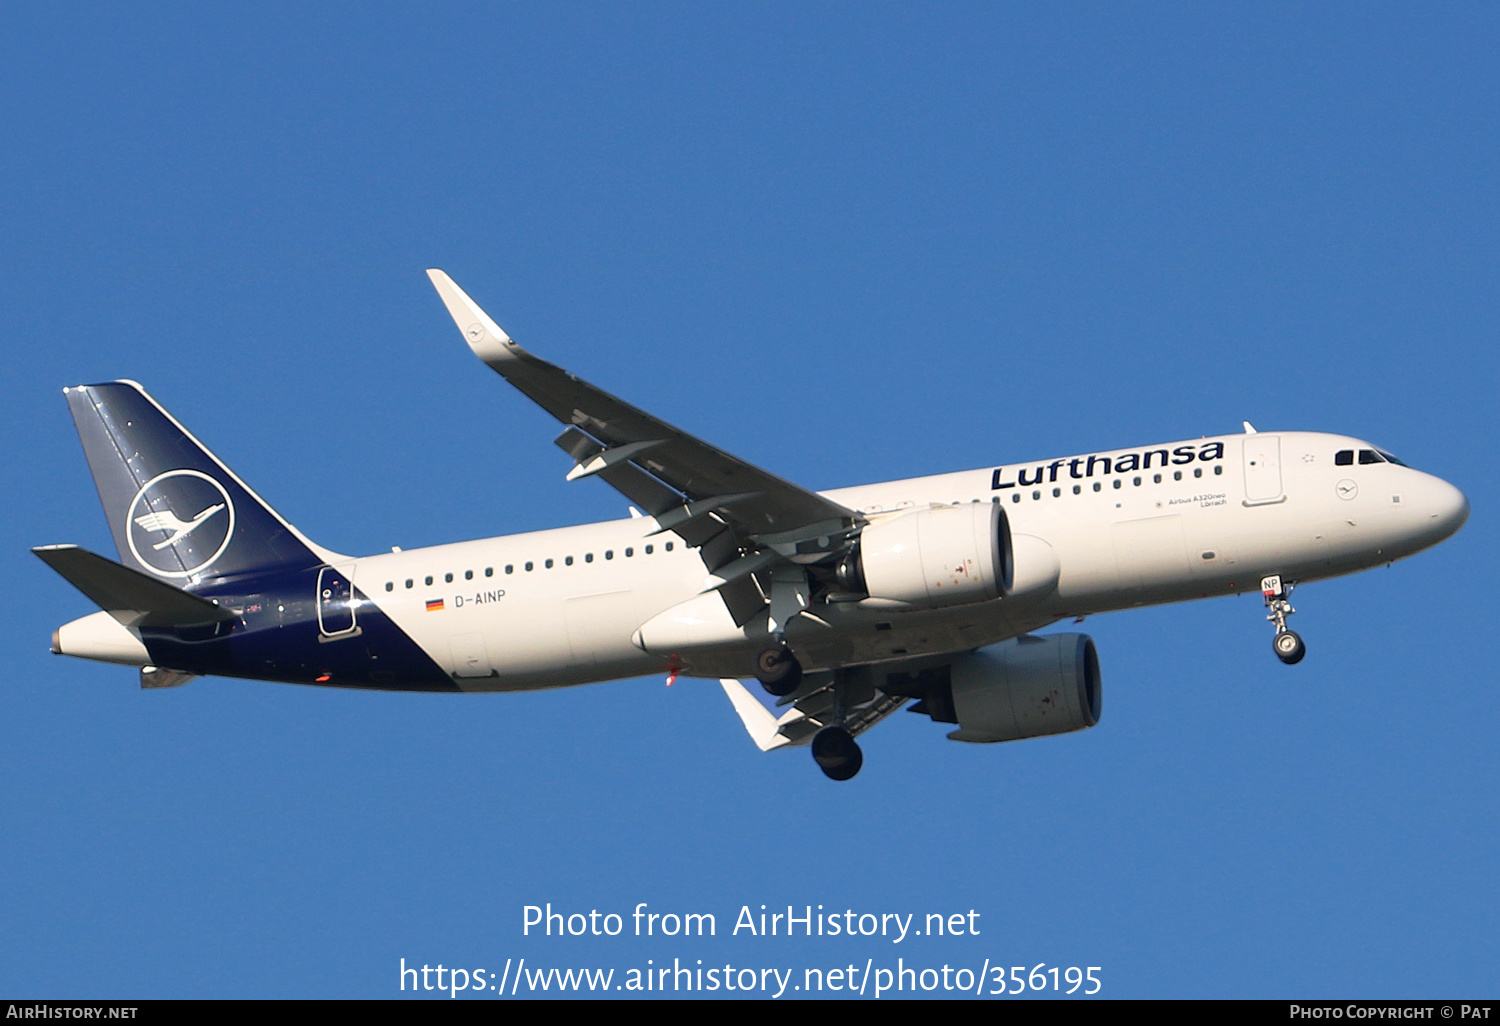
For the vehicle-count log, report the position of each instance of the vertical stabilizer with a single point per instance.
(175, 510)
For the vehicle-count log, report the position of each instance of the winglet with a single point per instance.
(760, 723)
(489, 342)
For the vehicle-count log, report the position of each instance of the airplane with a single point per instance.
(843, 606)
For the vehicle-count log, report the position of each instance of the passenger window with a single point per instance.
(1370, 456)
(1218, 468)
(427, 580)
(629, 552)
(1136, 482)
(1344, 458)
(1117, 482)
(468, 575)
(510, 568)
(548, 564)
(528, 566)
(1056, 492)
(668, 546)
(648, 550)
(489, 571)
(609, 553)
(1036, 494)
(1015, 497)
(447, 578)
(568, 560)
(588, 557)
(1176, 475)
(1076, 489)
(1096, 486)
(390, 585)
(1197, 471)
(1156, 479)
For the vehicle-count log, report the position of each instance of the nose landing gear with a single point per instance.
(1288, 643)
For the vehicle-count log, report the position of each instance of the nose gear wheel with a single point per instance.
(1289, 647)
(1287, 644)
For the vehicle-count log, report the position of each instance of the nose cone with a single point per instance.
(1450, 509)
(1443, 510)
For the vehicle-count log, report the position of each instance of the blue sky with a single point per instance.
(849, 243)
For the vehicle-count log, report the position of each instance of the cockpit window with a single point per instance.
(1370, 456)
(1344, 458)
(1390, 458)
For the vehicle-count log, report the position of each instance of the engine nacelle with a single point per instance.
(1026, 687)
(940, 556)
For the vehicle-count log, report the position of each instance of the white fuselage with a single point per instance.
(567, 606)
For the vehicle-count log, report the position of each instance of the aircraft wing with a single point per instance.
(807, 712)
(677, 478)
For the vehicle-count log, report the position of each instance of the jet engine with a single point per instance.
(940, 556)
(1027, 687)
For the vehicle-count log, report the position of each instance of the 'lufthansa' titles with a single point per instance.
(1082, 467)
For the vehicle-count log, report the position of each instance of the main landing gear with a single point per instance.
(1287, 643)
(835, 750)
(777, 669)
(833, 747)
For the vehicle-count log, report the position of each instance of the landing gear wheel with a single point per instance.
(778, 670)
(1287, 644)
(848, 769)
(1289, 647)
(835, 750)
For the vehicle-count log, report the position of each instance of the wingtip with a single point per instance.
(488, 340)
(127, 382)
(37, 550)
(760, 723)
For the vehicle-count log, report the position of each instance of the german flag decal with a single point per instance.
(433, 605)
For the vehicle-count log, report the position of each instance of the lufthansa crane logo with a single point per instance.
(179, 523)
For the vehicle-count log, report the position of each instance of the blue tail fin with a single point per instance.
(176, 511)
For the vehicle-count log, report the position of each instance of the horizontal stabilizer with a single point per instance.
(161, 677)
(130, 596)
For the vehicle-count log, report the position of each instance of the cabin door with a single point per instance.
(1263, 470)
(336, 603)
